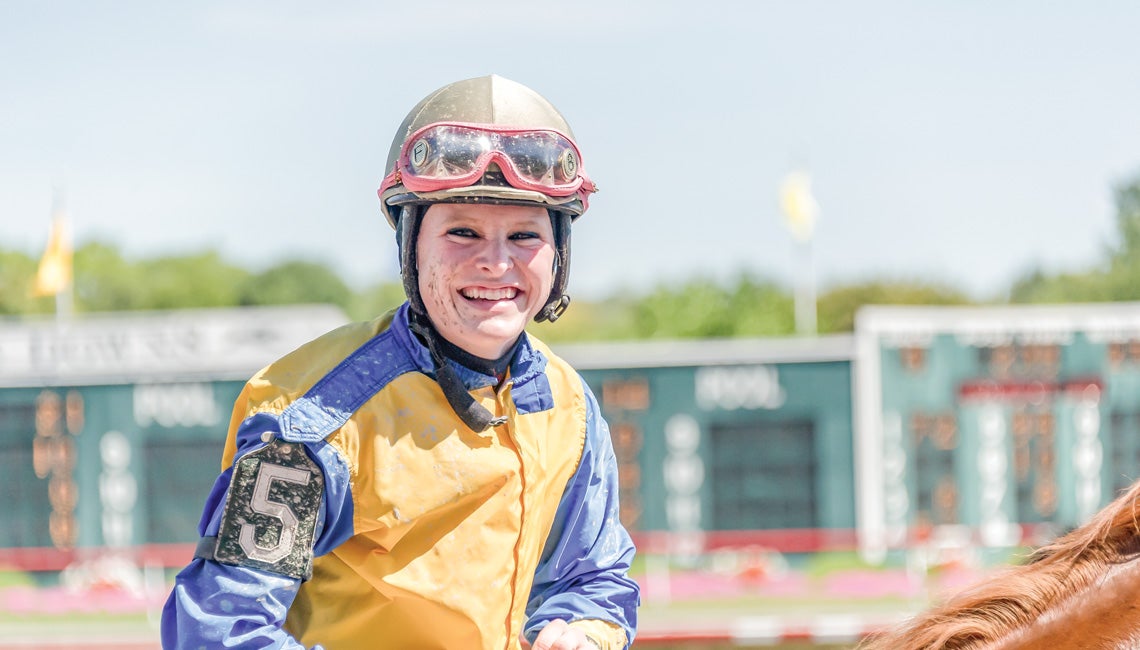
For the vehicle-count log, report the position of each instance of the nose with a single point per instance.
(495, 255)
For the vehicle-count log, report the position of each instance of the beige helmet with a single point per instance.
(492, 101)
(497, 106)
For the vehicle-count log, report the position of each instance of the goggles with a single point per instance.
(448, 155)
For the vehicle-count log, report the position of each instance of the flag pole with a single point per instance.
(805, 298)
(54, 274)
(64, 299)
(800, 213)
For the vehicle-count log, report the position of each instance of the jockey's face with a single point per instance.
(484, 272)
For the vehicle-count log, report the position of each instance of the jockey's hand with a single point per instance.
(560, 635)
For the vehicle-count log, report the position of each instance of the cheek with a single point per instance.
(542, 268)
(431, 282)
(436, 296)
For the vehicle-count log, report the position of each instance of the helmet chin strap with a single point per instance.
(473, 414)
(407, 231)
(553, 310)
(559, 300)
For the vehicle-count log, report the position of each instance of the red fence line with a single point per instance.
(805, 540)
(790, 540)
(55, 559)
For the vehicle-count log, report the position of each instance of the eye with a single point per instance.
(524, 235)
(462, 232)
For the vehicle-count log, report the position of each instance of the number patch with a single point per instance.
(271, 512)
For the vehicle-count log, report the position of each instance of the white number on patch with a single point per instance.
(260, 503)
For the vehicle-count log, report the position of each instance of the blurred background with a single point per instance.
(856, 295)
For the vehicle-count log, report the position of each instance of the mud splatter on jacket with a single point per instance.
(425, 534)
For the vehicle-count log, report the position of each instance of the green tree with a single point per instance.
(1127, 221)
(295, 282)
(376, 300)
(761, 308)
(17, 271)
(104, 281)
(1116, 279)
(604, 320)
(837, 306)
(702, 308)
(1037, 286)
(190, 281)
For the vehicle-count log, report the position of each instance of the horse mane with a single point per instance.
(1016, 597)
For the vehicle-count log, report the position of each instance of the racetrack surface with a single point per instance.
(690, 610)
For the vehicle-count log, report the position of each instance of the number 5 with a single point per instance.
(260, 503)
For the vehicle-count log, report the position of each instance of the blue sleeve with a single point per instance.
(584, 569)
(215, 605)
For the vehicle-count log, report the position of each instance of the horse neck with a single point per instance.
(986, 614)
(1103, 616)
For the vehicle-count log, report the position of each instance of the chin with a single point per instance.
(500, 333)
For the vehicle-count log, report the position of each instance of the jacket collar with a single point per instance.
(528, 362)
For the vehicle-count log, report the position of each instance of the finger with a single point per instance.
(550, 634)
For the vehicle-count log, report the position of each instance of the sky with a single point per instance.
(962, 143)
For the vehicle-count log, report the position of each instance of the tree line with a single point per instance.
(748, 305)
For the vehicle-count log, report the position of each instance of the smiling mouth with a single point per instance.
(479, 293)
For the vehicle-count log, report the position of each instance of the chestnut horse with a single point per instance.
(1080, 591)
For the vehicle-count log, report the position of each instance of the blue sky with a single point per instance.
(961, 142)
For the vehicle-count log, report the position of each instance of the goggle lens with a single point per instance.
(451, 155)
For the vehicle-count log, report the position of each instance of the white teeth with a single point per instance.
(506, 293)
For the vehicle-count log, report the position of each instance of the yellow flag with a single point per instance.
(799, 206)
(54, 273)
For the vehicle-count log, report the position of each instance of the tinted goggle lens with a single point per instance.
(542, 157)
(546, 160)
